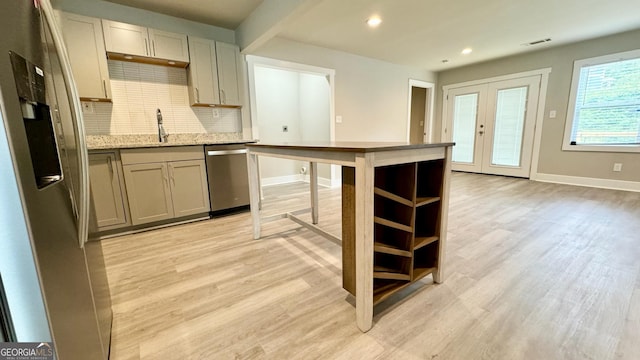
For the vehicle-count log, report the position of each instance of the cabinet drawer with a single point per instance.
(153, 155)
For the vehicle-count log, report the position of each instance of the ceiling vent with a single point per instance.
(538, 42)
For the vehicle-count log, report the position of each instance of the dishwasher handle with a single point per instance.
(226, 152)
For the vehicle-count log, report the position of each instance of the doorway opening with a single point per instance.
(291, 102)
(420, 122)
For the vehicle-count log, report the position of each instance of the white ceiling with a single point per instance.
(422, 33)
(223, 13)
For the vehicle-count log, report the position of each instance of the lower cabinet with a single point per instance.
(189, 190)
(149, 193)
(108, 200)
(165, 183)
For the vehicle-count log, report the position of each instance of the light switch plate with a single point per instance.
(552, 114)
(338, 119)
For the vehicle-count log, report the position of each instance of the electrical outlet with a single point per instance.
(617, 167)
(285, 128)
(552, 114)
(87, 107)
(216, 113)
(338, 119)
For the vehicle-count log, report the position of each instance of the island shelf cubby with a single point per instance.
(407, 212)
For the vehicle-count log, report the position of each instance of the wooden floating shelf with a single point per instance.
(424, 241)
(95, 99)
(421, 201)
(392, 250)
(146, 60)
(217, 106)
(393, 224)
(391, 196)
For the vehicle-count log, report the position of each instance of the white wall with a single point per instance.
(315, 114)
(370, 95)
(299, 101)
(277, 104)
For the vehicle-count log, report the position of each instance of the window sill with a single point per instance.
(603, 148)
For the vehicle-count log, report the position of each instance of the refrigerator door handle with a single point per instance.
(76, 109)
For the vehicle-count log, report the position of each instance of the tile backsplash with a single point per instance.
(139, 89)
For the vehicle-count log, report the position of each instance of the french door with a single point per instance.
(493, 125)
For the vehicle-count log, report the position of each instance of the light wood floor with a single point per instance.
(535, 271)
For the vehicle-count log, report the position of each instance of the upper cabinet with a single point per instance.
(131, 42)
(85, 45)
(167, 45)
(213, 73)
(203, 72)
(228, 64)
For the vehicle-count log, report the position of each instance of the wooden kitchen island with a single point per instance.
(394, 211)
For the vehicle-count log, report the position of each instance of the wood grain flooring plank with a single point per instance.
(536, 271)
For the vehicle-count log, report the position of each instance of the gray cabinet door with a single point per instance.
(85, 44)
(126, 38)
(106, 190)
(227, 58)
(168, 45)
(203, 72)
(148, 192)
(189, 189)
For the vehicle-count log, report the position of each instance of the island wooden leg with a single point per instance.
(254, 192)
(439, 274)
(313, 180)
(364, 241)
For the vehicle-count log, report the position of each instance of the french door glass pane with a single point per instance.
(465, 109)
(509, 125)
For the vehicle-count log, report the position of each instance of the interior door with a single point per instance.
(493, 125)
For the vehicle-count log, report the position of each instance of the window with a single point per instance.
(604, 104)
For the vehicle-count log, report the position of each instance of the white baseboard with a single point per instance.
(278, 180)
(589, 182)
(321, 181)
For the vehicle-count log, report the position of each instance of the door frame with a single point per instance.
(540, 111)
(429, 102)
(330, 74)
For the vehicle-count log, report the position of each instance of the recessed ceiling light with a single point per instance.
(374, 21)
(466, 51)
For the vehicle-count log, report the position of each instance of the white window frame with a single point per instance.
(577, 66)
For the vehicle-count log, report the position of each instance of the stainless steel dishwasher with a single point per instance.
(227, 175)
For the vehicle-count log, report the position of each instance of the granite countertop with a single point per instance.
(98, 142)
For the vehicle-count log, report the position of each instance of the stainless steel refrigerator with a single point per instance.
(53, 284)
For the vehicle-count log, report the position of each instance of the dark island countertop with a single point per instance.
(348, 146)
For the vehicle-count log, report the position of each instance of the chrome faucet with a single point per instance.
(162, 135)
